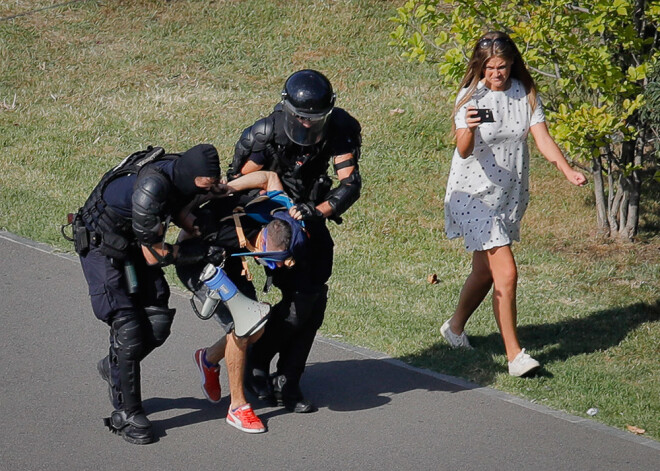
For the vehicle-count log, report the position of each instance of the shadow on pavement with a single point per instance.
(353, 385)
(341, 386)
(202, 411)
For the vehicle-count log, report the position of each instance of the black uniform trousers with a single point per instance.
(138, 322)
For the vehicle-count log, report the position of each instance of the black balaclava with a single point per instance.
(200, 161)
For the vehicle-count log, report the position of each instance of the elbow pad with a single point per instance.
(254, 139)
(347, 193)
(149, 204)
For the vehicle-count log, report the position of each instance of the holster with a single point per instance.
(320, 189)
(81, 235)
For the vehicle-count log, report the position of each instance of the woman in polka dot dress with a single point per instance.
(488, 190)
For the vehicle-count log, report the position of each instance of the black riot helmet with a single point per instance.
(307, 100)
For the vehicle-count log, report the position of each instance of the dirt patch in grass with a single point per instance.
(596, 248)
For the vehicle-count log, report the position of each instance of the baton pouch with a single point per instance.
(114, 245)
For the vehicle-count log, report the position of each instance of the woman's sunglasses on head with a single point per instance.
(498, 43)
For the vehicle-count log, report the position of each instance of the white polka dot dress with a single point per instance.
(488, 192)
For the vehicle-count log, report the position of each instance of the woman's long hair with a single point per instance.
(494, 44)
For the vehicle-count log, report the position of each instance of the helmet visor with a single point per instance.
(305, 129)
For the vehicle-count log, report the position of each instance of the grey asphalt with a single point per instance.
(374, 412)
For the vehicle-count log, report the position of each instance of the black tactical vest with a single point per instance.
(109, 229)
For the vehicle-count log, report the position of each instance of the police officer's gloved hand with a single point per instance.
(220, 189)
(196, 250)
(309, 212)
(215, 255)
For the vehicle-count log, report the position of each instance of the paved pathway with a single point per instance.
(374, 413)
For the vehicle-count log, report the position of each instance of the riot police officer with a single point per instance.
(300, 139)
(120, 238)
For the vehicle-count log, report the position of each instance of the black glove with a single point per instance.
(215, 255)
(220, 189)
(195, 251)
(309, 212)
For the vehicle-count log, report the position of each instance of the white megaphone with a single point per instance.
(249, 316)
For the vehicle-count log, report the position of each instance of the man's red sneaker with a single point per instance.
(210, 377)
(245, 419)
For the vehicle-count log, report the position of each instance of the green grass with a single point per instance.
(94, 81)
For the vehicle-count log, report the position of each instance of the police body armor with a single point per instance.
(106, 228)
(303, 170)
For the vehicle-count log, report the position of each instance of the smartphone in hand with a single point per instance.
(485, 114)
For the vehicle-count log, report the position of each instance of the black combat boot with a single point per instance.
(290, 396)
(134, 427)
(257, 383)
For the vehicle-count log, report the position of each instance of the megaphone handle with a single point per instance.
(196, 311)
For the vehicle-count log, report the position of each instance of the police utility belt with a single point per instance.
(110, 244)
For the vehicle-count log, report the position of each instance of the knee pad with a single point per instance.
(160, 319)
(127, 338)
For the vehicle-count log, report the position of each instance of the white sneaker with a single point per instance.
(523, 365)
(456, 341)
